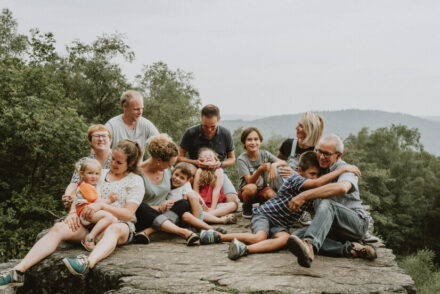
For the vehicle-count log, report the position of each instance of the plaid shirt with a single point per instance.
(277, 209)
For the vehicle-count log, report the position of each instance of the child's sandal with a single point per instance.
(220, 230)
(88, 243)
(192, 239)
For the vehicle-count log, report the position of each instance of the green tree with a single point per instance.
(171, 101)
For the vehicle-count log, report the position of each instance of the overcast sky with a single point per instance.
(270, 57)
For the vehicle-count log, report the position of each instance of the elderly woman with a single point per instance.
(157, 213)
(120, 179)
(99, 139)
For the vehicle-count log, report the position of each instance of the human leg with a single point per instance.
(102, 219)
(230, 193)
(224, 208)
(49, 243)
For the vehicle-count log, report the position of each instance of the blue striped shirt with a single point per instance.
(277, 209)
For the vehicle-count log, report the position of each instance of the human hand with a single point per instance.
(72, 221)
(89, 210)
(286, 171)
(264, 166)
(113, 197)
(67, 200)
(352, 169)
(296, 203)
(272, 174)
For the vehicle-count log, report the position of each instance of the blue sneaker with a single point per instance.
(11, 278)
(209, 237)
(78, 266)
(237, 249)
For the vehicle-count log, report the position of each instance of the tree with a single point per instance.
(171, 101)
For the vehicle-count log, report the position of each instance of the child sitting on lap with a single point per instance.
(90, 172)
(273, 218)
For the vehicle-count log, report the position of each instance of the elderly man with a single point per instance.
(210, 134)
(131, 125)
(339, 221)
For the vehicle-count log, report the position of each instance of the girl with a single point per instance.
(256, 169)
(89, 172)
(208, 183)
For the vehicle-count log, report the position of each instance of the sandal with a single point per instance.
(88, 243)
(141, 238)
(192, 239)
(229, 219)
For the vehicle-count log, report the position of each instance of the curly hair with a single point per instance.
(162, 147)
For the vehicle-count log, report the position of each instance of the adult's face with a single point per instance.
(134, 108)
(163, 165)
(327, 155)
(209, 126)
(118, 164)
(100, 141)
(300, 134)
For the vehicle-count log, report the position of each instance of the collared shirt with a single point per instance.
(277, 208)
(352, 199)
(193, 140)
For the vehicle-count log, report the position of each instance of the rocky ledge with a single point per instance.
(168, 266)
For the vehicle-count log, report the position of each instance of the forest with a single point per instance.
(48, 100)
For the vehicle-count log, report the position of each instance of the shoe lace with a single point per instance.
(81, 260)
(5, 274)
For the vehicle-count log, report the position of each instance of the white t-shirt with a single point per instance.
(129, 189)
(177, 193)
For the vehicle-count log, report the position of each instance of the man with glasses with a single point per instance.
(211, 135)
(340, 221)
(131, 124)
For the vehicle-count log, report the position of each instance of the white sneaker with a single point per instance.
(305, 219)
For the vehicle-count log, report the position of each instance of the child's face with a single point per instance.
(207, 157)
(178, 179)
(252, 142)
(310, 173)
(91, 175)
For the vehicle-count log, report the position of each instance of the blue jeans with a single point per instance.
(333, 229)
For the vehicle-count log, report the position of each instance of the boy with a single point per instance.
(274, 218)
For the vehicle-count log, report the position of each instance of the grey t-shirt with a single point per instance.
(248, 167)
(143, 130)
(352, 199)
(155, 194)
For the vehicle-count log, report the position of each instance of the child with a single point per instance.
(90, 172)
(208, 183)
(273, 218)
(256, 169)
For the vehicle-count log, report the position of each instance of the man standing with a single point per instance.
(210, 134)
(131, 125)
(340, 219)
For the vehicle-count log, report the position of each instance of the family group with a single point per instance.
(116, 198)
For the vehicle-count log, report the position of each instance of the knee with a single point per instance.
(250, 189)
(114, 229)
(58, 228)
(258, 237)
(186, 217)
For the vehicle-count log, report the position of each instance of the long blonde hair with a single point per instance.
(207, 176)
(313, 125)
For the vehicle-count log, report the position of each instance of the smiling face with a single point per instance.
(327, 155)
(134, 108)
(300, 134)
(252, 142)
(209, 126)
(207, 157)
(91, 174)
(178, 179)
(100, 140)
(118, 164)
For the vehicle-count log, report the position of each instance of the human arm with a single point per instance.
(272, 173)
(182, 158)
(326, 191)
(325, 179)
(125, 213)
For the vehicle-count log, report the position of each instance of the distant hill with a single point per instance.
(345, 122)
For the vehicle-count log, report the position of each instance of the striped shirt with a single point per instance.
(277, 209)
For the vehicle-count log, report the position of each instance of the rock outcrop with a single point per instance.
(168, 266)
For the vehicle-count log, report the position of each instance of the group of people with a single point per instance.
(116, 198)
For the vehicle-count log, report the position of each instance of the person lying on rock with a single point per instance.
(340, 220)
(273, 218)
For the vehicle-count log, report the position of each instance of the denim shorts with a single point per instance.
(131, 232)
(228, 188)
(261, 222)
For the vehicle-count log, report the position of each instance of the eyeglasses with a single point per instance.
(326, 154)
(100, 136)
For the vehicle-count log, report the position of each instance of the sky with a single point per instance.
(269, 57)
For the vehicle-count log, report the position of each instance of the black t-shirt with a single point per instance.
(286, 148)
(193, 140)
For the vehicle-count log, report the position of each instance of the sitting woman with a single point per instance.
(120, 179)
(99, 139)
(155, 212)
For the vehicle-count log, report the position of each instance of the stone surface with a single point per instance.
(167, 265)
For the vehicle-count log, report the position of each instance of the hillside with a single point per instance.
(345, 122)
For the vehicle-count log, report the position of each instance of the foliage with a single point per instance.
(401, 183)
(171, 102)
(421, 268)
